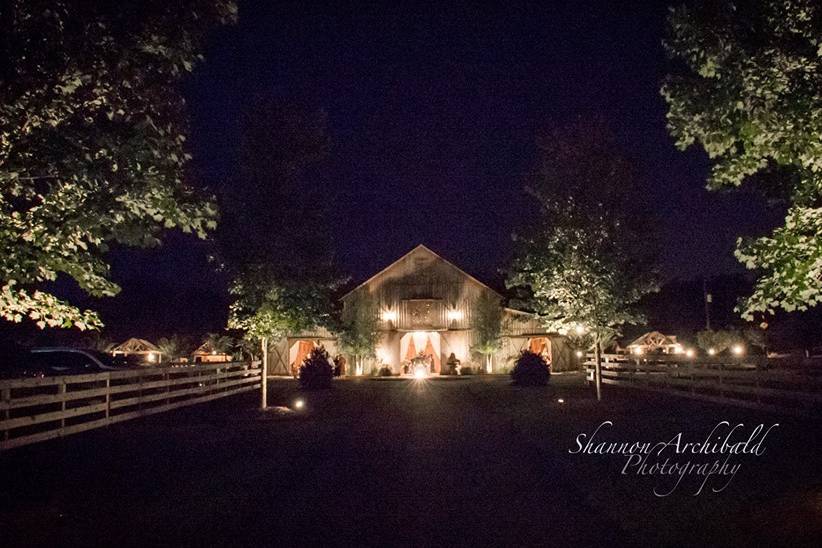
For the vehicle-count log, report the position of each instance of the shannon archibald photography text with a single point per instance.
(347, 273)
(677, 458)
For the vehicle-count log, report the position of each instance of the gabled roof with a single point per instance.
(208, 348)
(428, 250)
(134, 345)
(654, 339)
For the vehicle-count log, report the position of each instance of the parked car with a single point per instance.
(54, 361)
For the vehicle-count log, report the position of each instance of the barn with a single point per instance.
(428, 307)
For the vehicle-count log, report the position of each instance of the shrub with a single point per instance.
(466, 370)
(531, 369)
(385, 371)
(316, 370)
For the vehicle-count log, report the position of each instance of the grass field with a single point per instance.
(398, 462)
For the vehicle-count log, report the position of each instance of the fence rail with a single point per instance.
(743, 382)
(39, 409)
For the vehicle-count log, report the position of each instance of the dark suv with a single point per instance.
(53, 361)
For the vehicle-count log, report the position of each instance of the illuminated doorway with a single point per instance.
(541, 346)
(421, 343)
(297, 353)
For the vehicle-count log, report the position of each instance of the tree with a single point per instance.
(718, 340)
(487, 327)
(750, 93)
(221, 344)
(359, 331)
(174, 347)
(92, 141)
(275, 242)
(588, 259)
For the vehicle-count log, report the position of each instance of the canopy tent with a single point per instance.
(207, 353)
(138, 347)
(654, 341)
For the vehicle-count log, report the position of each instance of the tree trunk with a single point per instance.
(264, 376)
(488, 364)
(598, 366)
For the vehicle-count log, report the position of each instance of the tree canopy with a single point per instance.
(359, 330)
(92, 141)
(588, 258)
(750, 93)
(283, 283)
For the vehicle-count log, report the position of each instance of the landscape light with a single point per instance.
(690, 352)
(389, 316)
(738, 350)
(299, 403)
(711, 352)
(419, 373)
(579, 353)
(560, 400)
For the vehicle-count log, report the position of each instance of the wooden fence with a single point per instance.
(38, 409)
(744, 382)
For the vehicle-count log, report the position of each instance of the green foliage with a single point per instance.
(751, 95)
(316, 371)
(97, 341)
(220, 343)
(588, 260)
(174, 347)
(359, 332)
(530, 369)
(720, 340)
(487, 324)
(92, 134)
(283, 283)
(265, 305)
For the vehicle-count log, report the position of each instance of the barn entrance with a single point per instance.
(421, 344)
(541, 346)
(298, 352)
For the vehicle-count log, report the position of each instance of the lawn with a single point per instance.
(376, 462)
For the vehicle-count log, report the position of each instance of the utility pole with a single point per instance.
(708, 300)
(264, 377)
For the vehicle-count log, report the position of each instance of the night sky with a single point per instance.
(433, 113)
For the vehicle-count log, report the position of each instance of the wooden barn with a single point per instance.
(427, 307)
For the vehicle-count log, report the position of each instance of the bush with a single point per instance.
(466, 370)
(531, 369)
(316, 370)
(385, 371)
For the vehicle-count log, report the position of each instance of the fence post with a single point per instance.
(61, 389)
(168, 387)
(721, 390)
(108, 396)
(691, 371)
(264, 376)
(5, 397)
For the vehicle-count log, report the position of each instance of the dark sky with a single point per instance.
(433, 112)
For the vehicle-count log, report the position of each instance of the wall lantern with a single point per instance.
(389, 316)
(454, 315)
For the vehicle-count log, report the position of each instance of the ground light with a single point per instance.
(419, 373)
(690, 352)
(299, 403)
(738, 350)
(560, 400)
(711, 352)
